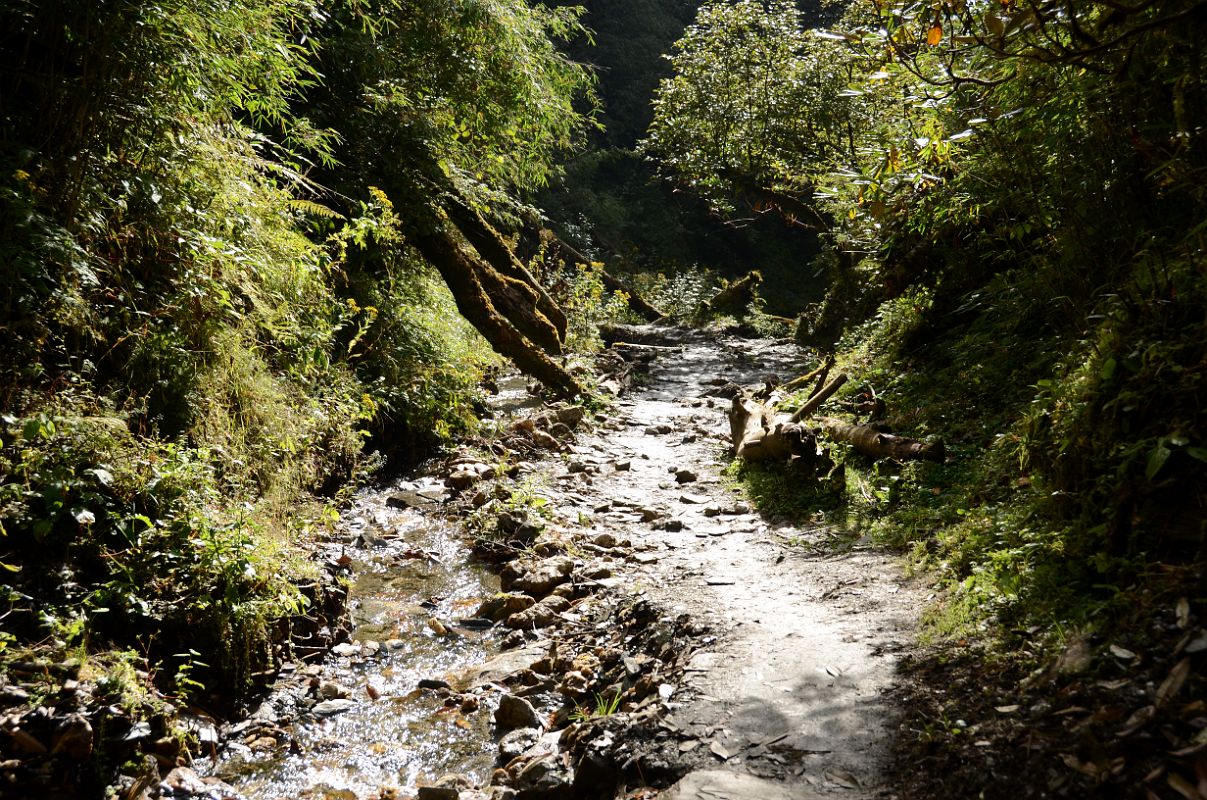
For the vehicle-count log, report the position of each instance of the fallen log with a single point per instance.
(820, 397)
(759, 434)
(874, 442)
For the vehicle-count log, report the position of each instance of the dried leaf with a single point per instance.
(1183, 612)
(1197, 644)
(844, 779)
(934, 35)
(1006, 709)
(1182, 786)
(1122, 652)
(833, 672)
(1173, 683)
(1138, 720)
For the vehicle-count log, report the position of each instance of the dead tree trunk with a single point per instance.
(874, 442)
(759, 434)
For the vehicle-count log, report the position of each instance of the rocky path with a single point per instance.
(655, 632)
(788, 702)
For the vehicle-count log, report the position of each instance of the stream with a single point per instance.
(371, 729)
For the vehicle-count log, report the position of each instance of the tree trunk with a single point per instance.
(490, 245)
(873, 442)
(464, 273)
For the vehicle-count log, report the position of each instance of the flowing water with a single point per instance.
(415, 586)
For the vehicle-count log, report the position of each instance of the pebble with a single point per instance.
(329, 708)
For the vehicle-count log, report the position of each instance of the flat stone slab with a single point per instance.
(722, 785)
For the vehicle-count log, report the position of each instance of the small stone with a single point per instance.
(438, 793)
(433, 683)
(517, 743)
(73, 738)
(346, 649)
(623, 466)
(329, 708)
(330, 690)
(541, 615)
(516, 712)
(604, 540)
(574, 684)
(686, 476)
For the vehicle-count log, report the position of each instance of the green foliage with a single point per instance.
(588, 304)
(194, 344)
(1015, 254)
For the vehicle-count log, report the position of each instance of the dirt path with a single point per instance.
(789, 700)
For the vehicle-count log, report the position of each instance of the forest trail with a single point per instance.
(789, 701)
(766, 647)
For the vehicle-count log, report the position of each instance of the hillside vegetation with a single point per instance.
(1012, 200)
(215, 320)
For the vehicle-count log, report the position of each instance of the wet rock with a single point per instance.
(449, 787)
(464, 474)
(183, 782)
(517, 742)
(544, 778)
(433, 683)
(515, 712)
(539, 579)
(502, 606)
(407, 498)
(330, 690)
(73, 738)
(623, 466)
(541, 615)
(658, 430)
(438, 793)
(686, 476)
(329, 708)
